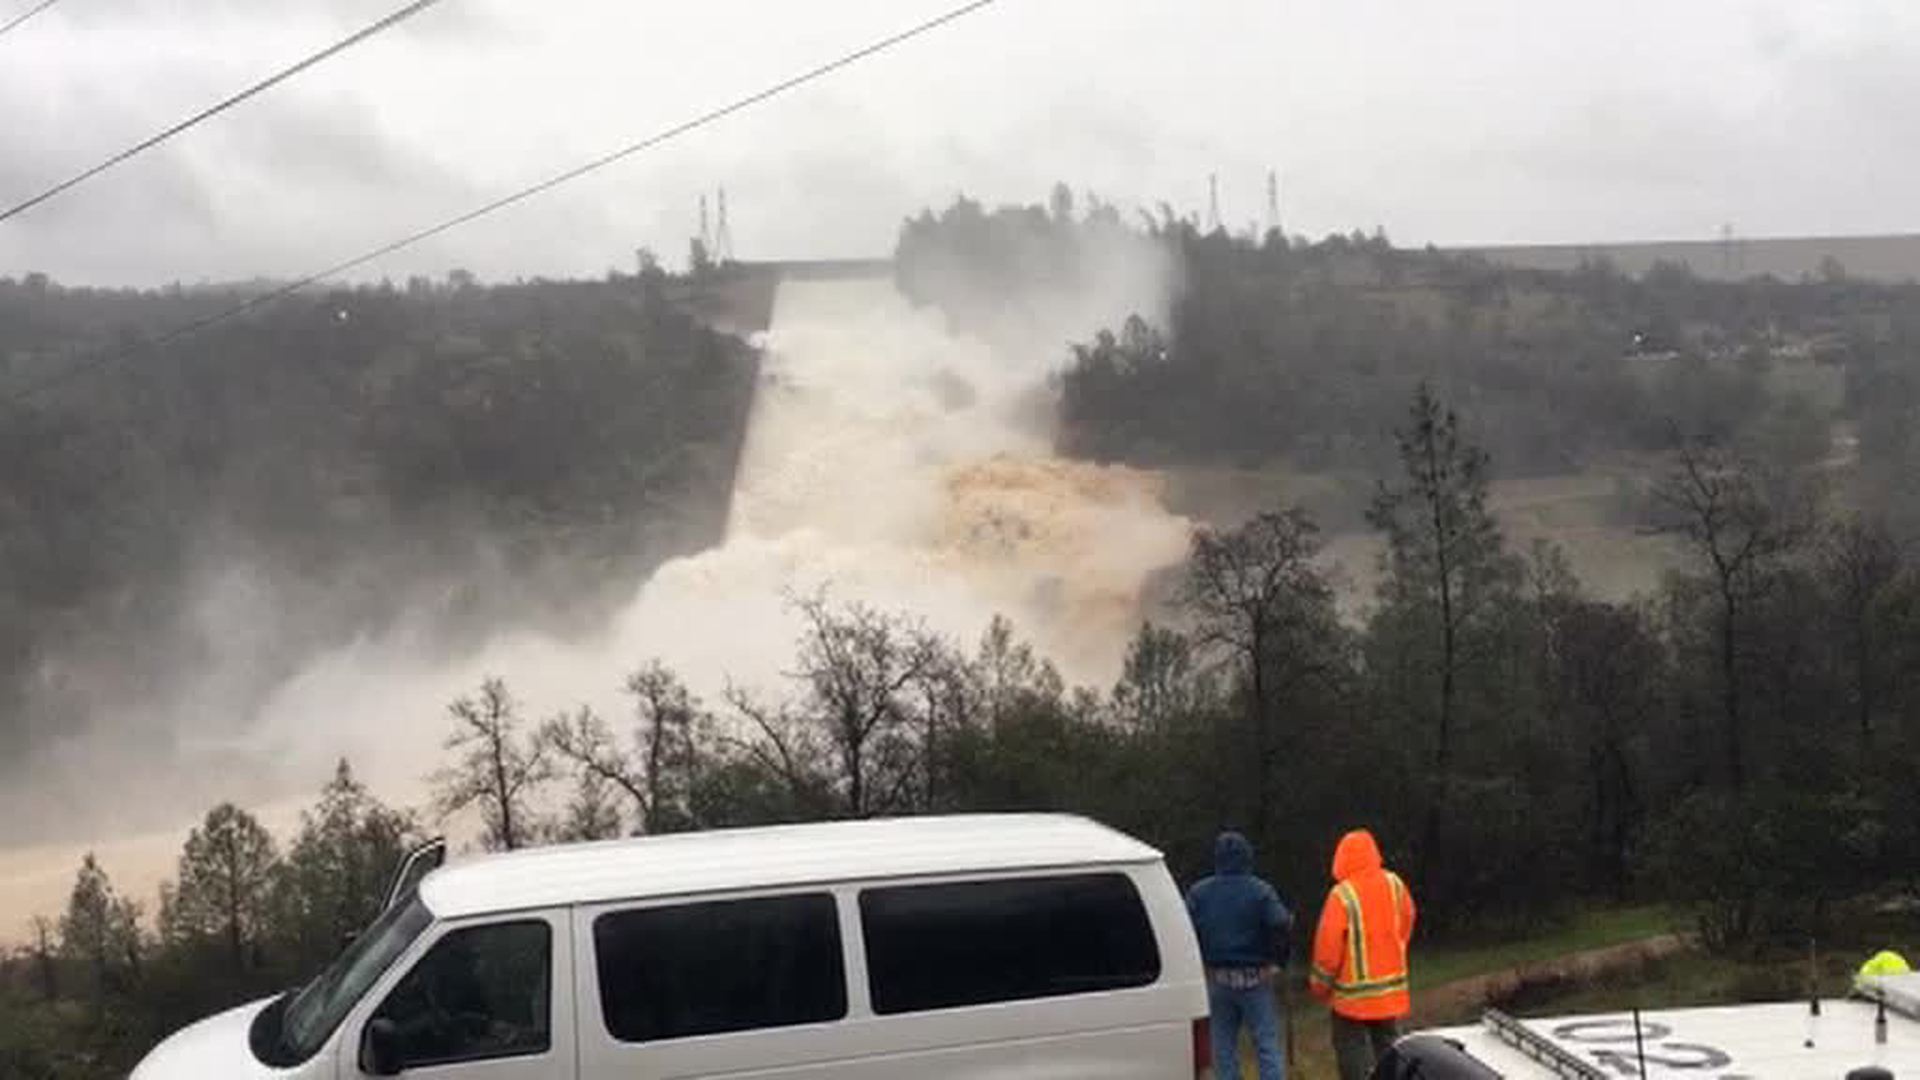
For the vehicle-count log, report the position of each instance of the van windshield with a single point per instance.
(295, 1028)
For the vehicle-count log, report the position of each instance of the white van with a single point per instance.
(986, 946)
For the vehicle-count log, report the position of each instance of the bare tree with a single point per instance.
(590, 814)
(498, 770)
(780, 745)
(1862, 562)
(587, 742)
(45, 957)
(858, 668)
(1738, 526)
(947, 704)
(656, 776)
(1257, 597)
(669, 719)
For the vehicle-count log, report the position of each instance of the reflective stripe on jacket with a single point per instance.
(1360, 948)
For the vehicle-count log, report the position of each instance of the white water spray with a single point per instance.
(887, 461)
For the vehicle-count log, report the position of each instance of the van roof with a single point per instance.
(735, 859)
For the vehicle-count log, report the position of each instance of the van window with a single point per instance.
(481, 992)
(972, 943)
(711, 968)
(294, 1028)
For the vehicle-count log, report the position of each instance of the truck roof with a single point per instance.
(1781, 1040)
(737, 859)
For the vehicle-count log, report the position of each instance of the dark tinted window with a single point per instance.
(289, 1034)
(482, 992)
(732, 965)
(941, 946)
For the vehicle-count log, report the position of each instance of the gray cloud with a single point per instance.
(1479, 121)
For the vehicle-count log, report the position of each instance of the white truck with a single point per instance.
(1878, 1029)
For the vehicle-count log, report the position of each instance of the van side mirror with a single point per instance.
(380, 1048)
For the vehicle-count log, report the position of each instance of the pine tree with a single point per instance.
(338, 868)
(223, 895)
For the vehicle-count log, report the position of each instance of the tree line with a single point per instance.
(1739, 743)
(1281, 349)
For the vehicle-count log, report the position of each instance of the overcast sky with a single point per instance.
(1471, 121)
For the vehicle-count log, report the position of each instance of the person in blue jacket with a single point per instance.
(1244, 931)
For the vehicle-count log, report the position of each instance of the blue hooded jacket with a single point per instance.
(1238, 917)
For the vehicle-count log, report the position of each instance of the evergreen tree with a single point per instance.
(338, 868)
(224, 889)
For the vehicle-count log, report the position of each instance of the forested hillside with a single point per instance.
(1285, 351)
(362, 449)
(1741, 746)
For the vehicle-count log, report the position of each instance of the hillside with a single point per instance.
(229, 504)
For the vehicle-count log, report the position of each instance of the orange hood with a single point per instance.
(1356, 854)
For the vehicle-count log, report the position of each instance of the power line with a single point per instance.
(686, 127)
(21, 18)
(201, 117)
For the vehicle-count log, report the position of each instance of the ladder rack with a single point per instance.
(1539, 1048)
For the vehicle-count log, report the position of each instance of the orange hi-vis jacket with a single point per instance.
(1360, 949)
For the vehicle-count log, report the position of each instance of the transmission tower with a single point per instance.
(1273, 202)
(722, 232)
(1213, 202)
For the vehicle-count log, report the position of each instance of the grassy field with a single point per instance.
(1781, 973)
(1690, 980)
(1587, 931)
(1577, 511)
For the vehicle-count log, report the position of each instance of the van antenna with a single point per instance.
(1813, 991)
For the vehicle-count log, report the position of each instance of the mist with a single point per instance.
(889, 458)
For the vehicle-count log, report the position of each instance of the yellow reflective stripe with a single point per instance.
(1366, 991)
(1376, 984)
(1356, 931)
(1323, 974)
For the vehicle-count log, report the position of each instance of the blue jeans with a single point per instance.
(1255, 1009)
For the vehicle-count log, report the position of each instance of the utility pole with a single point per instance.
(1213, 203)
(706, 227)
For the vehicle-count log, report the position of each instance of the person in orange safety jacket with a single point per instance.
(1360, 954)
